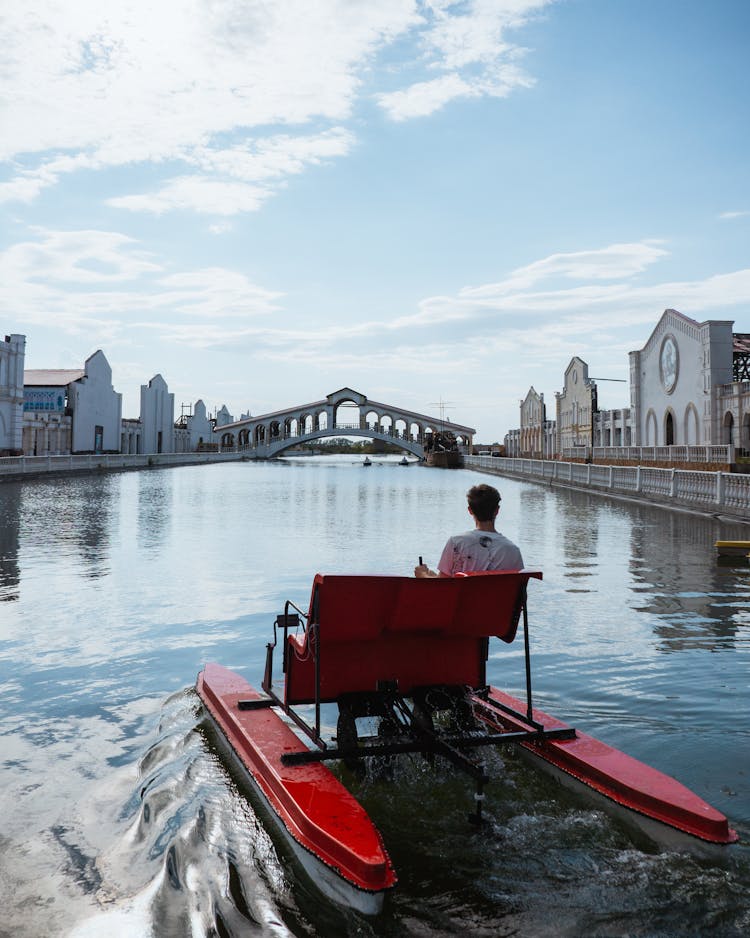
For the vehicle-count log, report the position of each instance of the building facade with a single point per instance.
(157, 417)
(674, 381)
(195, 431)
(71, 410)
(575, 409)
(12, 356)
(537, 434)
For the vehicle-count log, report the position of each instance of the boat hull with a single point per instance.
(738, 549)
(329, 831)
(448, 459)
(661, 806)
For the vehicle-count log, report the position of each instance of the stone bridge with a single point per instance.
(270, 434)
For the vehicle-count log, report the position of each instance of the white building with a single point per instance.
(12, 353)
(223, 417)
(157, 417)
(537, 434)
(675, 380)
(194, 432)
(71, 410)
(575, 409)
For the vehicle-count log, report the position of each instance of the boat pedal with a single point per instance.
(258, 703)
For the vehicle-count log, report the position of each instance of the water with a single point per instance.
(119, 817)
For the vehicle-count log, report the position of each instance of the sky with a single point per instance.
(426, 201)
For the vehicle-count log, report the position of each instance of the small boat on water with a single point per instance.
(410, 655)
(367, 461)
(404, 461)
(737, 549)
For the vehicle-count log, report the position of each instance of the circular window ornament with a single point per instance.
(669, 363)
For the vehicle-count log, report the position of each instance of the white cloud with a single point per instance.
(425, 97)
(727, 215)
(70, 257)
(240, 178)
(610, 263)
(102, 85)
(90, 86)
(467, 42)
(197, 193)
(99, 283)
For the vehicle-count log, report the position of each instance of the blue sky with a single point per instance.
(264, 202)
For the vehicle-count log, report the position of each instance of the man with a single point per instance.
(484, 548)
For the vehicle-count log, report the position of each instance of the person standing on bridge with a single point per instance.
(479, 550)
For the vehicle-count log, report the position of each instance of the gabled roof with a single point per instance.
(51, 377)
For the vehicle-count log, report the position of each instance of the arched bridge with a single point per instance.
(270, 434)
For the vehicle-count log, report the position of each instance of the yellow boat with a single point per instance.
(733, 548)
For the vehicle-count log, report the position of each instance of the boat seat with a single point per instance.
(401, 631)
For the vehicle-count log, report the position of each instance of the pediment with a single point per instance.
(346, 394)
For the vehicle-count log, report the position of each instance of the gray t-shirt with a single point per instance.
(477, 551)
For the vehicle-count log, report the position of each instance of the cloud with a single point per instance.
(426, 97)
(75, 257)
(202, 85)
(727, 215)
(198, 193)
(100, 283)
(91, 85)
(467, 43)
(247, 169)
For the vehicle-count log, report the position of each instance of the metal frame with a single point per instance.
(416, 736)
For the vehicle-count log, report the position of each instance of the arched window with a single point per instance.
(745, 435)
(728, 434)
(692, 426)
(651, 439)
(669, 429)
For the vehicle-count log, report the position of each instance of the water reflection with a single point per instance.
(154, 493)
(10, 510)
(62, 520)
(697, 602)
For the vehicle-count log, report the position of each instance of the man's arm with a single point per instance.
(423, 572)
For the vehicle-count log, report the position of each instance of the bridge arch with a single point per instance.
(409, 446)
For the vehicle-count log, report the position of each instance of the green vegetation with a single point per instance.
(345, 445)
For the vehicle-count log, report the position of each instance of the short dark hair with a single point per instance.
(484, 500)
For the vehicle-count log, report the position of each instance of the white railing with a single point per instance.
(714, 492)
(716, 455)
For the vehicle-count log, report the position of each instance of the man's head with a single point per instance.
(484, 502)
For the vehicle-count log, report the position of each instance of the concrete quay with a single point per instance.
(721, 495)
(13, 468)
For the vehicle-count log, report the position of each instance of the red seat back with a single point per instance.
(400, 629)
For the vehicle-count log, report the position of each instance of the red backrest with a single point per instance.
(351, 608)
(401, 630)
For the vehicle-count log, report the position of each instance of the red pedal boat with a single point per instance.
(410, 656)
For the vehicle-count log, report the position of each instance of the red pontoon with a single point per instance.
(410, 656)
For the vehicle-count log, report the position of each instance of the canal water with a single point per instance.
(119, 818)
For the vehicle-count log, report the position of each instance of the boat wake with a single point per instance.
(194, 856)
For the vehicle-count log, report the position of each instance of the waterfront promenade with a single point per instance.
(716, 494)
(16, 467)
